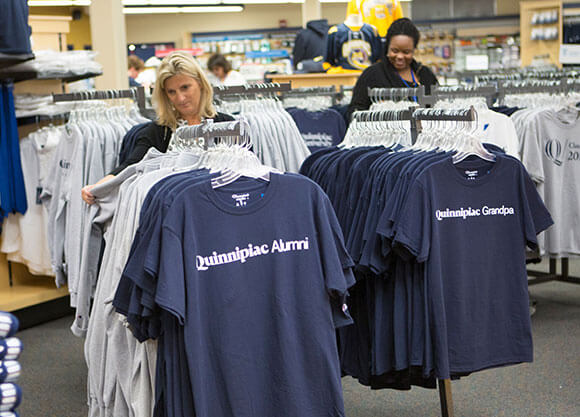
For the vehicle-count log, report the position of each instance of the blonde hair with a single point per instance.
(180, 63)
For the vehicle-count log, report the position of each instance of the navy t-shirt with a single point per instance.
(252, 251)
(14, 29)
(470, 224)
(319, 129)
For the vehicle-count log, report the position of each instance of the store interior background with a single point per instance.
(92, 28)
(548, 387)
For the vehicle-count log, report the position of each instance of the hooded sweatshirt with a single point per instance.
(311, 42)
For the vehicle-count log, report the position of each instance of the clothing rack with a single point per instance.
(489, 92)
(205, 133)
(415, 116)
(264, 88)
(398, 94)
(135, 93)
(315, 92)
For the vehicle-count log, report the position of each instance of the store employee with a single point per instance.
(183, 95)
(398, 70)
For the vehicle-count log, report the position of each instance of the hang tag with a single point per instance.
(38, 194)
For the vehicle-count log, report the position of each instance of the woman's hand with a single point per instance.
(86, 194)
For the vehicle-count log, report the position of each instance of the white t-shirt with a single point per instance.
(147, 77)
(499, 129)
(234, 78)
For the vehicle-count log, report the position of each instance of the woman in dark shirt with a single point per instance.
(183, 95)
(398, 70)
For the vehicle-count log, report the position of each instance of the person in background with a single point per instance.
(222, 69)
(398, 69)
(135, 67)
(182, 96)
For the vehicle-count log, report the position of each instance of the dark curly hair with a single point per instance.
(403, 26)
(218, 60)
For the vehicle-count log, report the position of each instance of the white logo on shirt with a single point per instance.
(470, 212)
(317, 139)
(241, 199)
(203, 263)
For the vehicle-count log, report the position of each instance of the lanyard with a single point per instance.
(408, 86)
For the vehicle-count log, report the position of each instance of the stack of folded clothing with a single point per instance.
(10, 349)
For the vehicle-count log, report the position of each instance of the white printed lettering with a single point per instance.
(464, 214)
(203, 263)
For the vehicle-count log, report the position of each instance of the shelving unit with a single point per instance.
(534, 50)
(270, 49)
(19, 289)
(9, 60)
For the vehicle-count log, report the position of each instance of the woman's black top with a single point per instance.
(383, 75)
(156, 136)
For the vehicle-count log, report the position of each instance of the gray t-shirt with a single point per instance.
(551, 154)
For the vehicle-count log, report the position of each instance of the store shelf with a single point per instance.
(20, 289)
(8, 60)
(18, 76)
(26, 295)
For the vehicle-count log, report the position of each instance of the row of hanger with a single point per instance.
(446, 130)
(223, 147)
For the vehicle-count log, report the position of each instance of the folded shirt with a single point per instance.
(10, 396)
(9, 371)
(8, 324)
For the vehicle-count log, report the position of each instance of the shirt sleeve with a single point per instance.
(170, 293)
(536, 216)
(336, 262)
(532, 152)
(413, 227)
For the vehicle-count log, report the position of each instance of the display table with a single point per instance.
(315, 80)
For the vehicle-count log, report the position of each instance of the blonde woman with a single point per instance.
(182, 95)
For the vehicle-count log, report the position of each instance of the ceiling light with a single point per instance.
(59, 2)
(170, 3)
(261, 1)
(175, 10)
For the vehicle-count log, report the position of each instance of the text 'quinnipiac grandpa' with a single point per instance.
(471, 212)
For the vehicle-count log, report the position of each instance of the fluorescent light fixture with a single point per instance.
(59, 2)
(177, 10)
(170, 3)
(346, 1)
(261, 1)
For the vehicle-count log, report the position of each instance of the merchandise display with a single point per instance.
(353, 48)
(381, 13)
(24, 236)
(402, 217)
(88, 148)
(300, 221)
(12, 191)
(14, 33)
(10, 369)
(310, 43)
(549, 149)
(26, 105)
(52, 64)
